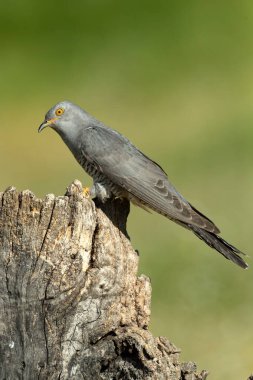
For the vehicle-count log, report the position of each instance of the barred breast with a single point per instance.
(99, 177)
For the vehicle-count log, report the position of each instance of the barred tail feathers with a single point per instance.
(214, 241)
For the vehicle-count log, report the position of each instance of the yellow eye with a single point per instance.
(59, 111)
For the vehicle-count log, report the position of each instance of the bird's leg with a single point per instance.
(100, 191)
(86, 192)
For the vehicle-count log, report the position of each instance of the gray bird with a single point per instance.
(119, 169)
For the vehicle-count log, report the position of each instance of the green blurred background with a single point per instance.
(176, 77)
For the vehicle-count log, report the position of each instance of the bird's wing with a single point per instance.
(127, 167)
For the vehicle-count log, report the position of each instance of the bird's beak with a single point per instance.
(47, 123)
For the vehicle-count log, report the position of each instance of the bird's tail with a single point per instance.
(216, 242)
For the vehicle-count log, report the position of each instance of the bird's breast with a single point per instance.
(98, 177)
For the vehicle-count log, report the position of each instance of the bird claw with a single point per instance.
(86, 192)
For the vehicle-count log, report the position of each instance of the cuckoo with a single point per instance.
(119, 169)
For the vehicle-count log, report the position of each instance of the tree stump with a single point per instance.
(71, 304)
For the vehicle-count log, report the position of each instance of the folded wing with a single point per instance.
(145, 180)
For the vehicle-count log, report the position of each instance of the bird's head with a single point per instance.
(65, 118)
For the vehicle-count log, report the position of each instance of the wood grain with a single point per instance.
(71, 303)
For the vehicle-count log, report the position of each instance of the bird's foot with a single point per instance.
(86, 192)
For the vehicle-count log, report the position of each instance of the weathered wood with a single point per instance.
(71, 304)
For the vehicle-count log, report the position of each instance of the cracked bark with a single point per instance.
(71, 304)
